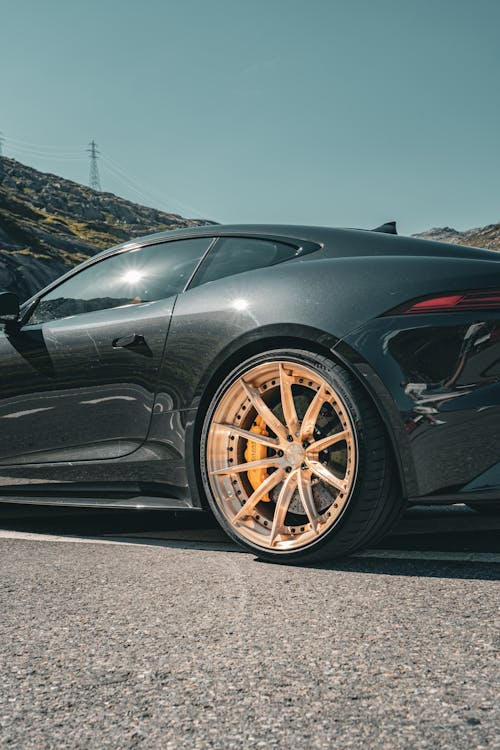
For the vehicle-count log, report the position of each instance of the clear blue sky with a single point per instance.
(334, 112)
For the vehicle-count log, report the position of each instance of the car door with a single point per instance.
(77, 380)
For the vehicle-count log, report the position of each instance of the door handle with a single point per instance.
(133, 339)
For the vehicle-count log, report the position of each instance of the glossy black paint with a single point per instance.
(69, 394)
(85, 421)
(439, 382)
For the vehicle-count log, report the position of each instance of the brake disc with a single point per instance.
(321, 495)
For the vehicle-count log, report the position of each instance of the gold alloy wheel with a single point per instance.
(303, 478)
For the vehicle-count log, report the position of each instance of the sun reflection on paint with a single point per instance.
(133, 276)
(240, 304)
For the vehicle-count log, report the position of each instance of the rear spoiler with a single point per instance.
(388, 228)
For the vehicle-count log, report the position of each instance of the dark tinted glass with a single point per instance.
(233, 255)
(145, 275)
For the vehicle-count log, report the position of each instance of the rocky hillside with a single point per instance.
(49, 224)
(488, 236)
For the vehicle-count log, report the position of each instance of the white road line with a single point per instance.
(445, 556)
(222, 546)
(31, 537)
(228, 546)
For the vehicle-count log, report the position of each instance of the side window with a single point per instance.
(144, 275)
(232, 255)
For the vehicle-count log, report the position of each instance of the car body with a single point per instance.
(103, 400)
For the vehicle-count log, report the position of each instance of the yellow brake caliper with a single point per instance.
(254, 452)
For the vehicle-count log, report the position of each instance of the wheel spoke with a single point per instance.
(326, 442)
(262, 463)
(247, 435)
(265, 412)
(307, 500)
(282, 503)
(323, 473)
(286, 496)
(312, 414)
(287, 402)
(268, 484)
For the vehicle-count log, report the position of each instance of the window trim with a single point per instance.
(212, 244)
(302, 248)
(34, 302)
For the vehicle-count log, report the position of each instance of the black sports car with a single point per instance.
(302, 382)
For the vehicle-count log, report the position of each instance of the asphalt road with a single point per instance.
(121, 630)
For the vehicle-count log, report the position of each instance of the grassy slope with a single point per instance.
(49, 224)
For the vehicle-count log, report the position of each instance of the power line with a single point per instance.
(145, 190)
(142, 190)
(146, 193)
(43, 147)
(128, 184)
(94, 179)
(38, 151)
(27, 153)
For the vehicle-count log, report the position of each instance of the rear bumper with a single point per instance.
(483, 489)
(436, 380)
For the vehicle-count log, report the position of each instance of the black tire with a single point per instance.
(375, 501)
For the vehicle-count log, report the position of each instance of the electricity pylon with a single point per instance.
(94, 179)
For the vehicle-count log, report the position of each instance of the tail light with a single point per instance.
(453, 302)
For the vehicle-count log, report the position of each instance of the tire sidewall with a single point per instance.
(336, 377)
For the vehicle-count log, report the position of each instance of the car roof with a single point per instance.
(337, 241)
(307, 233)
(278, 230)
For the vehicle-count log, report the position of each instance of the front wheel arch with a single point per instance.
(382, 503)
(322, 344)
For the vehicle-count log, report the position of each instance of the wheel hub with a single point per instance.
(295, 455)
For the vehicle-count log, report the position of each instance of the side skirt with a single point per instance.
(448, 498)
(96, 495)
(138, 503)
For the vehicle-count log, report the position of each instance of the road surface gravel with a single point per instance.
(136, 646)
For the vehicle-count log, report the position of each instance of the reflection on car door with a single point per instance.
(78, 381)
(81, 387)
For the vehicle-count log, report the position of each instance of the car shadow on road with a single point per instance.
(434, 542)
(414, 567)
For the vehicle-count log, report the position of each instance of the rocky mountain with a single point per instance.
(49, 224)
(488, 236)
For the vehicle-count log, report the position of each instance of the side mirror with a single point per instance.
(9, 307)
